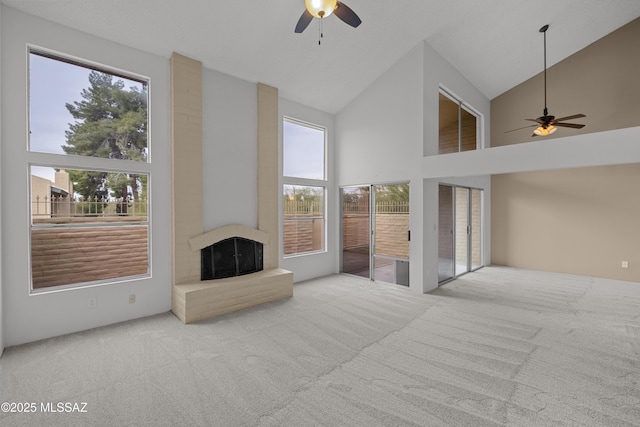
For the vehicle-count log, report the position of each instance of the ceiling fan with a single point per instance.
(546, 124)
(323, 8)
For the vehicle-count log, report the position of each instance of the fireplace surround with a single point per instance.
(194, 299)
(202, 299)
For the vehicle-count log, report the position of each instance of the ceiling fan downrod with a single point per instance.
(543, 30)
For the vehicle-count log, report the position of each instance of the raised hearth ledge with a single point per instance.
(226, 232)
(201, 300)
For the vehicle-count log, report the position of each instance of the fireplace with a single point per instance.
(193, 299)
(231, 257)
(236, 257)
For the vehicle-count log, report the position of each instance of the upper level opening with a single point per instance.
(459, 125)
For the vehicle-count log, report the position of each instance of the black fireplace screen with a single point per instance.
(231, 257)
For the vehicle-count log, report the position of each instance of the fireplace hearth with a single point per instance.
(231, 252)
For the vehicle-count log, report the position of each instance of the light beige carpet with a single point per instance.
(496, 347)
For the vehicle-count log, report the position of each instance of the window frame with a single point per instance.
(306, 182)
(88, 163)
(463, 105)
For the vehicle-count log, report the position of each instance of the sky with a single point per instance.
(303, 148)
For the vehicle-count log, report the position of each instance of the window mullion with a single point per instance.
(459, 126)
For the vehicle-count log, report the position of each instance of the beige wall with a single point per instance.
(355, 230)
(303, 236)
(268, 187)
(40, 196)
(63, 182)
(69, 256)
(580, 221)
(186, 158)
(391, 233)
(600, 81)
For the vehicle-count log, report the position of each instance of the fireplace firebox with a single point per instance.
(231, 257)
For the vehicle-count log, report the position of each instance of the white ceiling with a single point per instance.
(494, 43)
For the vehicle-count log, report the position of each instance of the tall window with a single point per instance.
(458, 125)
(304, 189)
(89, 173)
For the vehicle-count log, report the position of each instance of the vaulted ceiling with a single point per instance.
(494, 43)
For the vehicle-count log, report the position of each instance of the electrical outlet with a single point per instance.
(132, 298)
(625, 264)
(93, 302)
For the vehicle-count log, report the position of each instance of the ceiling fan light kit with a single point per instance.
(548, 124)
(542, 131)
(321, 9)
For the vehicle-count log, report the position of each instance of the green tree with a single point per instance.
(393, 193)
(355, 196)
(110, 122)
(393, 198)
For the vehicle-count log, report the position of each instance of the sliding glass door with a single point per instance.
(462, 230)
(375, 241)
(459, 232)
(476, 229)
(445, 234)
(391, 233)
(356, 231)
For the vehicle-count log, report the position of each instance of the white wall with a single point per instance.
(384, 134)
(31, 317)
(438, 72)
(230, 163)
(380, 136)
(379, 133)
(230, 150)
(308, 266)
